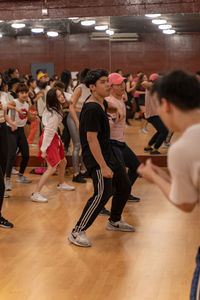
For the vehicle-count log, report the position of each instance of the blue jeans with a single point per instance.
(194, 292)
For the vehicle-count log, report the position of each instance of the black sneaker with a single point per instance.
(104, 212)
(79, 178)
(133, 198)
(155, 152)
(5, 224)
(148, 149)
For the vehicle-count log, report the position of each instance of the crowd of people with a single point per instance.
(94, 115)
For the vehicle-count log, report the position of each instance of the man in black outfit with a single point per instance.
(108, 175)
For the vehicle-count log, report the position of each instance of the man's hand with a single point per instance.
(147, 171)
(107, 172)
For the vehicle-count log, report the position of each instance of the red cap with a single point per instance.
(115, 78)
(153, 77)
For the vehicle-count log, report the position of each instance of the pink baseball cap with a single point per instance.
(153, 77)
(115, 78)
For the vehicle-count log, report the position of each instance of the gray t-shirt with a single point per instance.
(184, 167)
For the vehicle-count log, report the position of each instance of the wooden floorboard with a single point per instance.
(38, 263)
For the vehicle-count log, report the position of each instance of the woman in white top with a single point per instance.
(17, 138)
(81, 93)
(50, 145)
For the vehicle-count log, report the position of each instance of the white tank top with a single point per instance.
(84, 95)
(4, 100)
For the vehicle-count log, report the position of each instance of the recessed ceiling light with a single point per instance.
(37, 30)
(52, 33)
(167, 26)
(1, 21)
(1, 35)
(73, 18)
(159, 21)
(18, 25)
(153, 15)
(44, 11)
(172, 31)
(88, 22)
(101, 27)
(110, 32)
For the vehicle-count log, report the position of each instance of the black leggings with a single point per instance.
(17, 139)
(159, 137)
(3, 160)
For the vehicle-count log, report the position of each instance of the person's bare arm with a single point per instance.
(112, 108)
(96, 152)
(129, 87)
(150, 173)
(74, 100)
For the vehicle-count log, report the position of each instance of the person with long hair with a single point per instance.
(141, 85)
(50, 145)
(81, 93)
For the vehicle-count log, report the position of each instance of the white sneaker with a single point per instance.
(36, 197)
(23, 179)
(79, 239)
(65, 187)
(8, 185)
(143, 131)
(14, 171)
(6, 195)
(119, 225)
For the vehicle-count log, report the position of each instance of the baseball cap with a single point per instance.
(153, 77)
(115, 78)
(42, 75)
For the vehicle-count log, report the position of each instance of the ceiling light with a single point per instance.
(1, 21)
(37, 30)
(44, 11)
(1, 35)
(172, 31)
(167, 26)
(159, 21)
(88, 22)
(153, 15)
(101, 27)
(52, 33)
(18, 25)
(110, 32)
(73, 18)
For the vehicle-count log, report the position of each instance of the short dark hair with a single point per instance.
(22, 88)
(59, 84)
(94, 75)
(30, 81)
(179, 88)
(83, 74)
(198, 73)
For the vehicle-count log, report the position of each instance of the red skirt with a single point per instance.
(55, 151)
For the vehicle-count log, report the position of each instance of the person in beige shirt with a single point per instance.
(178, 103)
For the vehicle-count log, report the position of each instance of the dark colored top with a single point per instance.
(13, 94)
(94, 119)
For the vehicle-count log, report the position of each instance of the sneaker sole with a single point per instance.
(23, 181)
(73, 241)
(120, 229)
(39, 201)
(3, 226)
(133, 200)
(61, 189)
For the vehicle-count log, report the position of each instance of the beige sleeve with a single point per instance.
(183, 189)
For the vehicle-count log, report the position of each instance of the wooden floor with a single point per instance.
(38, 263)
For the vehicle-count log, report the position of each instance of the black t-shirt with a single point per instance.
(94, 119)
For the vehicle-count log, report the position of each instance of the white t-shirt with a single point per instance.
(4, 100)
(184, 166)
(85, 93)
(51, 121)
(20, 120)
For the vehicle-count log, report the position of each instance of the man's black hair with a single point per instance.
(12, 81)
(83, 74)
(94, 75)
(198, 73)
(179, 88)
(30, 81)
